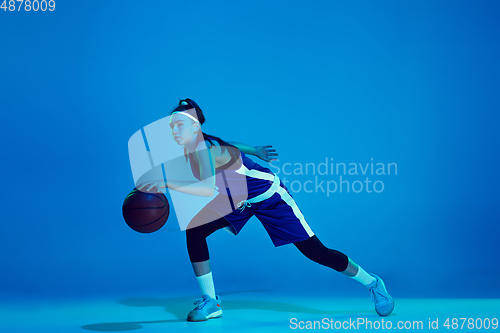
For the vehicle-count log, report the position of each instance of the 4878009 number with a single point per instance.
(28, 5)
(471, 323)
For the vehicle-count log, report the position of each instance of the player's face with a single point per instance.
(184, 129)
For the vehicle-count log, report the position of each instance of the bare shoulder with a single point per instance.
(214, 147)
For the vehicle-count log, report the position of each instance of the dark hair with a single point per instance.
(188, 104)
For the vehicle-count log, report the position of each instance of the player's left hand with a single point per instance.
(266, 153)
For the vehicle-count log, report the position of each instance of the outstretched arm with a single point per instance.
(249, 150)
(265, 153)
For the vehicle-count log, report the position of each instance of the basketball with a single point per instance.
(145, 212)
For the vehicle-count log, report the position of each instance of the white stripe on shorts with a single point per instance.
(290, 202)
(282, 192)
(255, 173)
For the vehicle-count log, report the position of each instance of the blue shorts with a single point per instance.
(279, 215)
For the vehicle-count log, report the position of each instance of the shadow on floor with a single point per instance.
(181, 306)
(125, 326)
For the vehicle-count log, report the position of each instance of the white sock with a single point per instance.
(206, 284)
(363, 277)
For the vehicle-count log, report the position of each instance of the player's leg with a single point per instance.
(285, 223)
(199, 255)
(313, 249)
(209, 306)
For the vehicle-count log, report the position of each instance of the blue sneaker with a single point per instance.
(384, 304)
(206, 308)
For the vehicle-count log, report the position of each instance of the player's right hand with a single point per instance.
(154, 185)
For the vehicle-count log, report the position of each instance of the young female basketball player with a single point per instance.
(222, 165)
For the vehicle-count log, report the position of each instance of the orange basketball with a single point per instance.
(145, 212)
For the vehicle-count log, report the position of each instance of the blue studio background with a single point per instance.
(412, 83)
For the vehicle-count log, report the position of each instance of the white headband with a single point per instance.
(186, 114)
